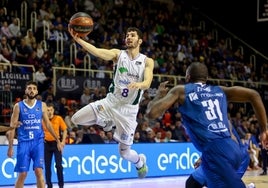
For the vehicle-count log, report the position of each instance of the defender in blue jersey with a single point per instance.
(204, 114)
(29, 114)
(197, 178)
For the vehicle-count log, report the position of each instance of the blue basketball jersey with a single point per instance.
(31, 119)
(204, 114)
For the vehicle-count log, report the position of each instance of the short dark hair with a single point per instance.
(50, 104)
(198, 72)
(140, 35)
(31, 82)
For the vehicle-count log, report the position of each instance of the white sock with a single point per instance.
(139, 164)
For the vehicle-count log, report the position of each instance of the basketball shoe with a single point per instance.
(251, 185)
(142, 172)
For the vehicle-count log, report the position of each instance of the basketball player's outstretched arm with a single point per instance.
(242, 94)
(102, 53)
(163, 100)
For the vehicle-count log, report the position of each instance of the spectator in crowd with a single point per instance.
(5, 30)
(151, 137)
(6, 97)
(23, 51)
(41, 78)
(48, 91)
(63, 107)
(71, 138)
(85, 97)
(136, 138)
(50, 99)
(14, 28)
(29, 38)
(68, 121)
(168, 137)
(58, 60)
(110, 139)
(46, 62)
(158, 137)
(34, 61)
(177, 134)
(80, 133)
(103, 136)
(6, 103)
(40, 51)
(3, 59)
(6, 49)
(253, 151)
(158, 128)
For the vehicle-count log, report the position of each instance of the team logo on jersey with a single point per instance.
(193, 96)
(125, 82)
(100, 108)
(37, 109)
(124, 136)
(31, 116)
(133, 75)
(108, 123)
(219, 127)
(138, 63)
(122, 69)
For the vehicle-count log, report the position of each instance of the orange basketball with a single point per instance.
(81, 23)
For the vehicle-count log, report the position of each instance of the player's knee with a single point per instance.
(75, 119)
(38, 172)
(22, 176)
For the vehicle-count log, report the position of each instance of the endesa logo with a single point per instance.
(102, 161)
(96, 164)
(182, 161)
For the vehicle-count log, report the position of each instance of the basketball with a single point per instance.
(81, 23)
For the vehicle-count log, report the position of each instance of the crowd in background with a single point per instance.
(172, 36)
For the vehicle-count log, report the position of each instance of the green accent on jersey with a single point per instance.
(136, 101)
(111, 87)
(122, 69)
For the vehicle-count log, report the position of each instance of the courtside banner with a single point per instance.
(102, 162)
(17, 82)
(73, 86)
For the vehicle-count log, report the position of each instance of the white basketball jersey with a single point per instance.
(125, 72)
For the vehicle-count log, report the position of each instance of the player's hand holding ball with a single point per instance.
(80, 24)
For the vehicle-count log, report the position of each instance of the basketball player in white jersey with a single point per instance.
(133, 73)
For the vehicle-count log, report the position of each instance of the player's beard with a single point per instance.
(31, 96)
(133, 45)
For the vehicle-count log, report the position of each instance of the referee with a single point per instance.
(51, 149)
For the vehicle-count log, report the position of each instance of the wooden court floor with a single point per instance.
(159, 182)
(253, 176)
